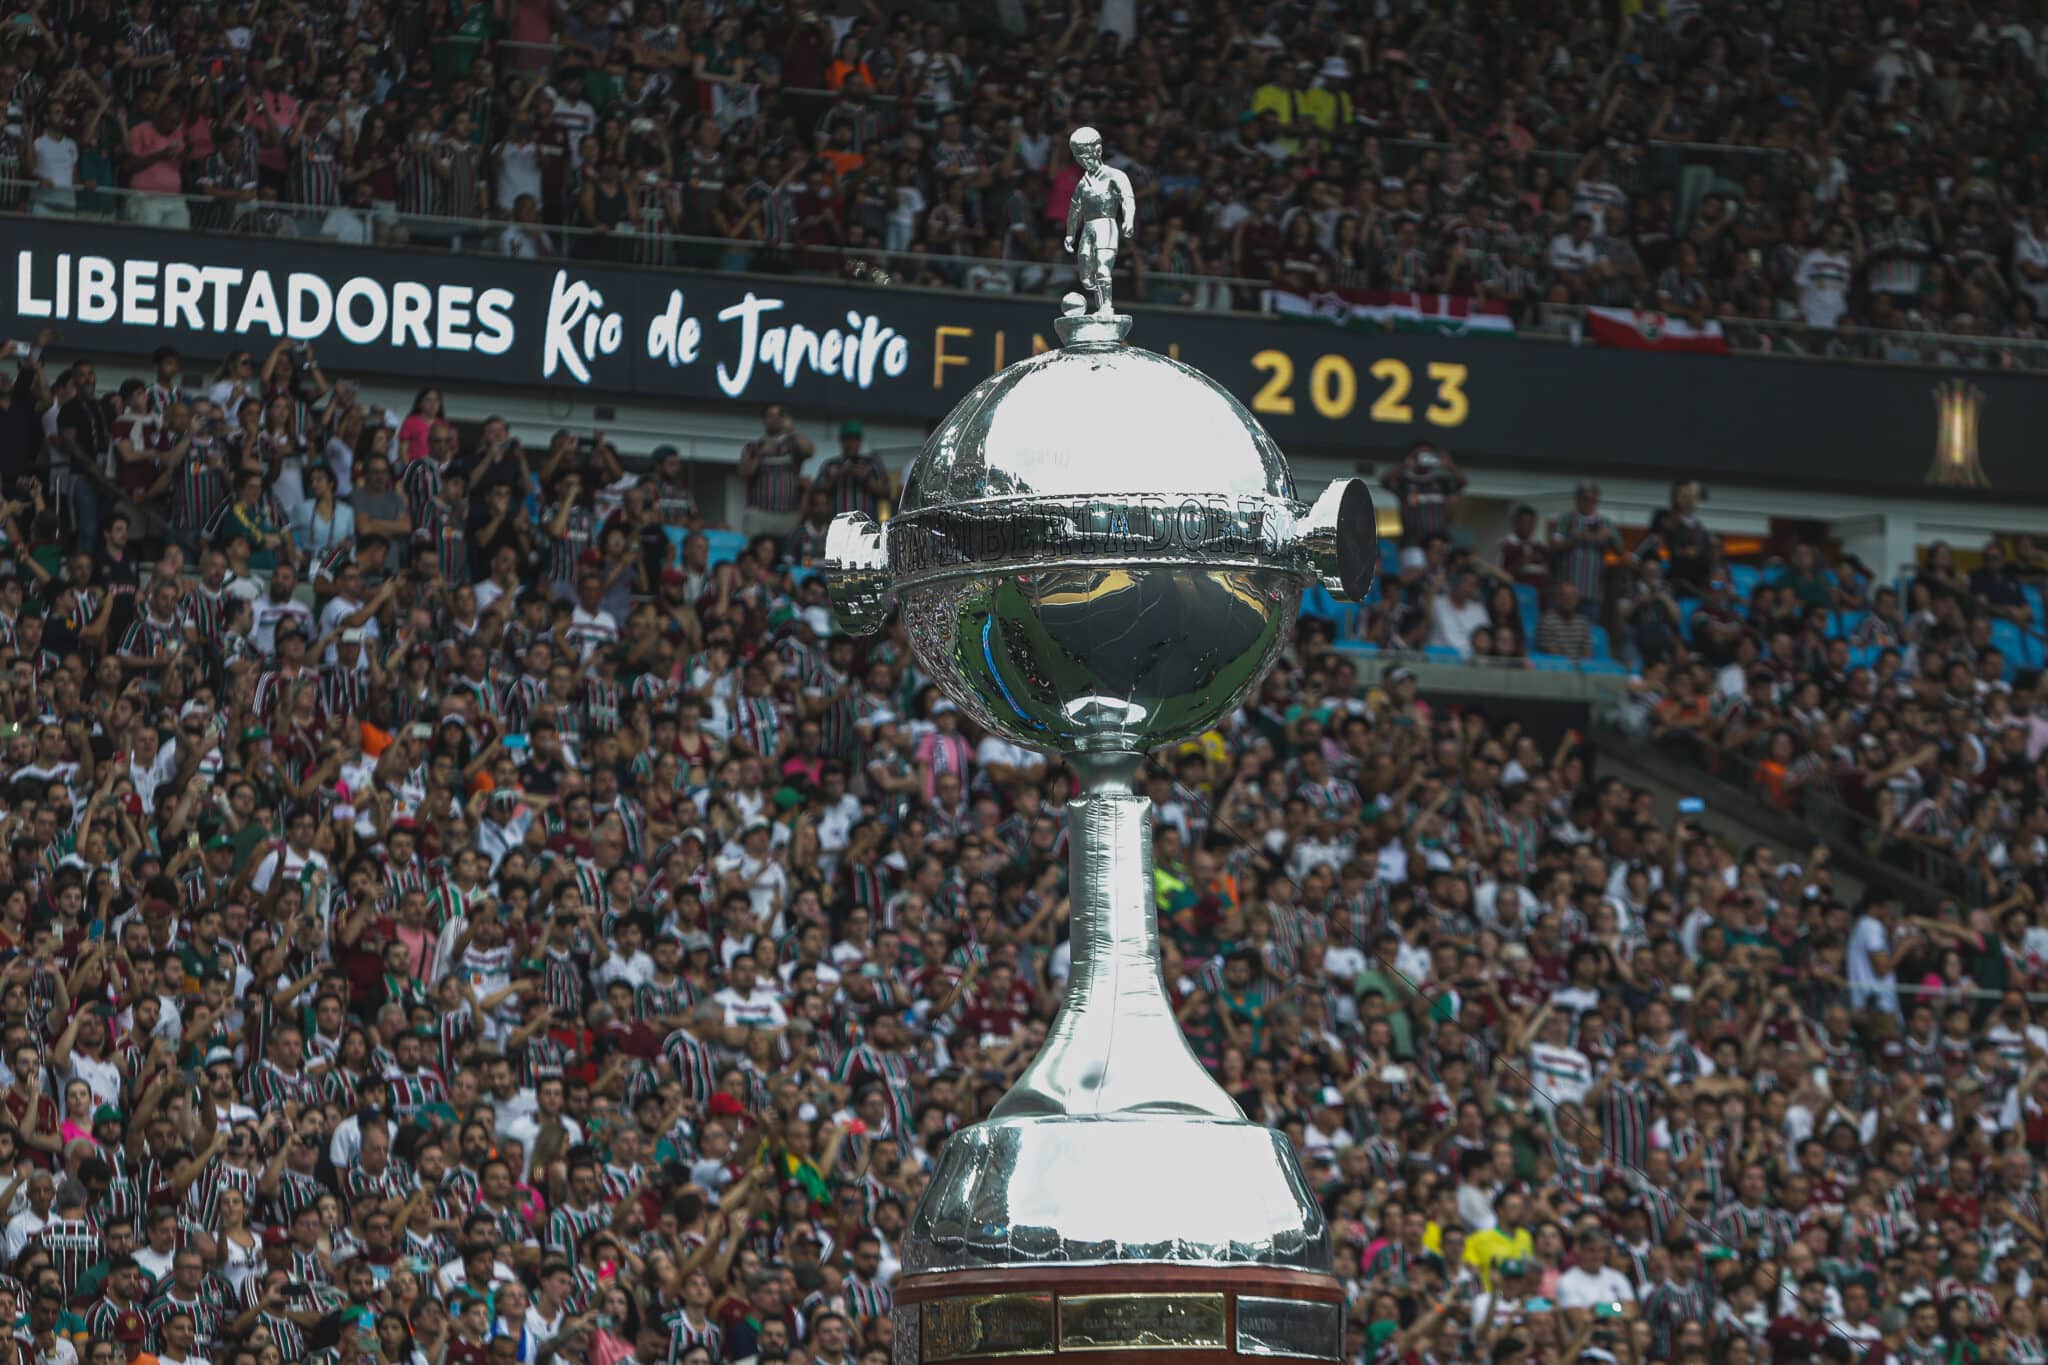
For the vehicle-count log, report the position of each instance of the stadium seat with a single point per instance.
(1744, 577)
(1602, 649)
(1553, 663)
(725, 545)
(2034, 604)
(2015, 644)
(1317, 602)
(1606, 668)
(1686, 607)
(1442, 654)
(1530, 604)
(1842, 625)
(1390, 557)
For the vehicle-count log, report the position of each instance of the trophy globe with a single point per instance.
(1097, 553)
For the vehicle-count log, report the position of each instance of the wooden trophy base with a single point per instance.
(1166, 1314)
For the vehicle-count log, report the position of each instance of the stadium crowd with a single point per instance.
(451, 914)
(1870, 170)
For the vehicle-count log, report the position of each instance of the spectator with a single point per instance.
(1455, 615)
(1521, 556)
(853, 480)
(1426, 486)
(1564, 629)
(155, 163)
(771, 467)
(1580, 541)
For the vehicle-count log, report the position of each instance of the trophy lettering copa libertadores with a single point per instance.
(1099, 552)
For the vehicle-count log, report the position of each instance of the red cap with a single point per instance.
(276, 1237)
(724, 1106)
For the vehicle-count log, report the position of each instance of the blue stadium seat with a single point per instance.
(1602, 649)
(725, 545)
(1552, 663)
(1744, 577)
(2015, 645)
(1863, 656)
(1442, 654)
(1609, 668)
(1318, 602)
(1686, 607)
(1530, 605)
(2034, 603)
(1390, 557)
(1843, 625)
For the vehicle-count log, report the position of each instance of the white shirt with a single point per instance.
(21, 1227)
(1570, 258)
(1582, 1288)
(767, 882)
(1868, 990)
(528, 1128)
(289, 862)
(270, 615)
(518, 173)
(996, 749)
(589, 629)
(337, 610)
(1823, 278)
(57, 160)
(2027, 249)
(759, 1008)
(1560, 1075)
(1452, 625)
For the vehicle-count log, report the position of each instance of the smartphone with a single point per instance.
(1691, 805)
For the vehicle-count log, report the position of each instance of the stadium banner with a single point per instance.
(844, 350)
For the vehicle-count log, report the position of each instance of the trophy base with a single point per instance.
(1162, 1313)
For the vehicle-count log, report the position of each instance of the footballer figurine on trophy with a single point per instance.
(1099, 216)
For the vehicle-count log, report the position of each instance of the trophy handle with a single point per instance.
(1340, 537)
(857, 573)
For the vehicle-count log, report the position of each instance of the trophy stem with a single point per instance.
(1116, 1047)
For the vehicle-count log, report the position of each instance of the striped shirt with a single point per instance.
(74, 1248)
(316, 168)
(421, 484)
(684, 1334)
(1668, 1308)
(204, 611)
(1772, 1229)
(773, 486)
(565, 552)
(150, 638)
(1583, 566)
(867, 1299)
(695, 1064)
(209, 1314)
(568, 1225)
(1625, 1122)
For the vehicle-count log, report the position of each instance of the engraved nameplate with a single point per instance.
(987, 1326)
(1113, 1322)
(1289, 1327)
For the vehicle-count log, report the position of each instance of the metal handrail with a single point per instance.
(488, 236)
(879, 266)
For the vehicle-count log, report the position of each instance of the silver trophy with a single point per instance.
(1097, 553)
